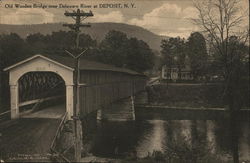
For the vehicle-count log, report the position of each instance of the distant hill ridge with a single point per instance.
(97, 31)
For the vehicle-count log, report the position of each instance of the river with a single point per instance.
(172, 137)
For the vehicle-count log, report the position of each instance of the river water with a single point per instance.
(176, 137)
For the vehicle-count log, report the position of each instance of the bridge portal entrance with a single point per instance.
(38, 79)
(40, 91)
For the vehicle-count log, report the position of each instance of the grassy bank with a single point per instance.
(187, 95)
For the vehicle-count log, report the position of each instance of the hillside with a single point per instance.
(97, 31)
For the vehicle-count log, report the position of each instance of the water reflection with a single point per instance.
(244, 144)
(153, 139)
(191, 137)
(210, 137)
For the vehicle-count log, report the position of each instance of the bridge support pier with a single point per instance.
(122, 110)
(141, 98)
(14, 101)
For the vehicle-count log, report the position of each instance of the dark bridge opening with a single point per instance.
(41, 90)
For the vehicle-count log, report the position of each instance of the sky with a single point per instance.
(163, 17)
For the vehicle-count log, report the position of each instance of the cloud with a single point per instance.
(182, 32)
(190, 12)
(176, 34)
(168, 19)
(27, 16)
(114, 16)
(154, 18)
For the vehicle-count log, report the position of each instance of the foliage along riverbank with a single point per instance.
(208, 95)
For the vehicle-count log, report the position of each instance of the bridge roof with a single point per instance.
(85, 64)
(91, 65)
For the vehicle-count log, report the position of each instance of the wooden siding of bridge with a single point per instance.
(104, 87)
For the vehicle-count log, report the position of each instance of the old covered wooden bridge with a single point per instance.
(40, 78)
(41, 89)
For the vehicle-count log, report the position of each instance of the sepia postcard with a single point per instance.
(124, 81)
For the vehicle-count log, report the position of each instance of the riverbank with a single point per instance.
(150, 112)
(197, 95)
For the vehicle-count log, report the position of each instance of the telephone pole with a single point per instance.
(78, 16)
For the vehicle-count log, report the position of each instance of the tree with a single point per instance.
(37, 42)
(117, 49)
(58, 42)
(173, 51)
(167, 52)
(221, 19)
(113, 48)
(12, 49)
(238, 83)
(139, 57)
(197, 53)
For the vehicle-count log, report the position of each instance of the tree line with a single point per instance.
(115, 49)
(203, 59)
(178, 53)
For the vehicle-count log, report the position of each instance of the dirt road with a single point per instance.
(29, 136)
